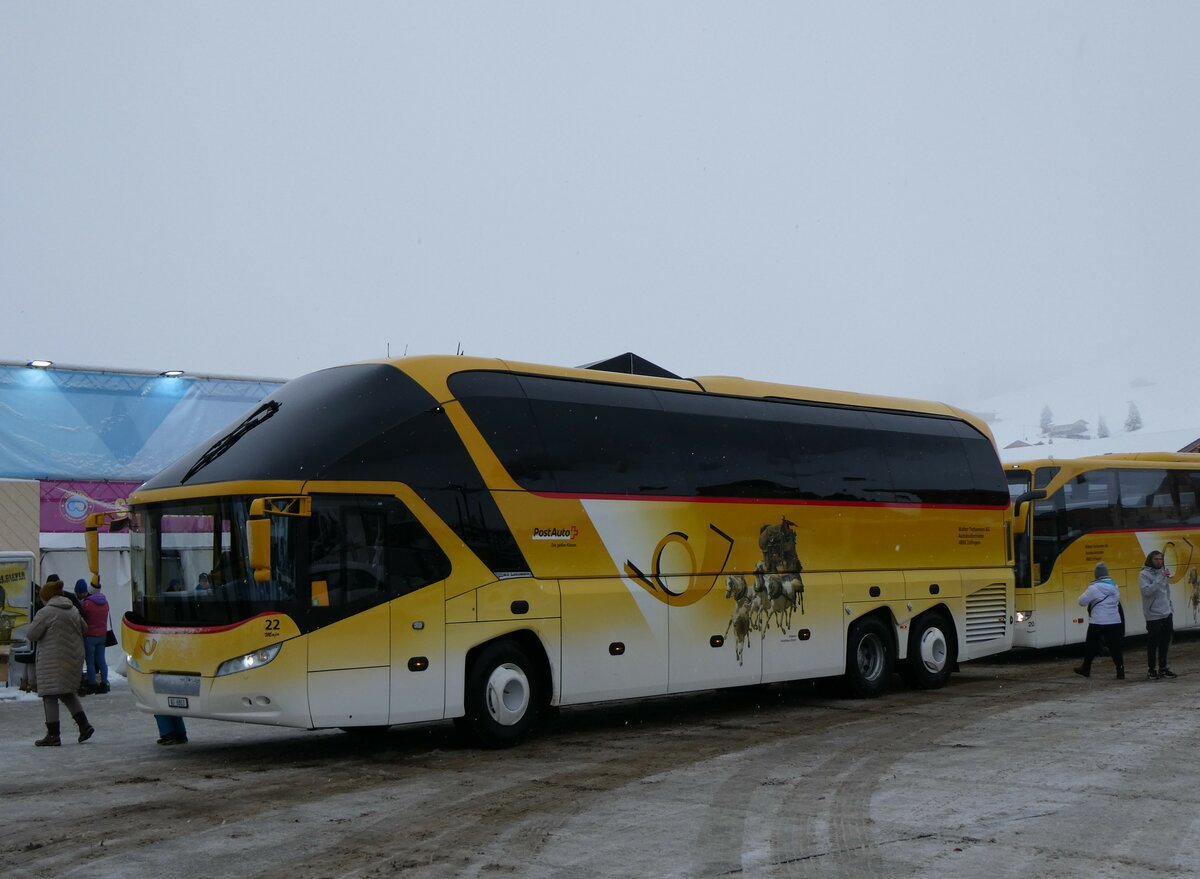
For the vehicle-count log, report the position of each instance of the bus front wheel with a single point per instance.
(503, 695)
(869, 658)
(931, 653)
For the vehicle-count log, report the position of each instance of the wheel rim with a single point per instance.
(934, 651)
(870, 657)
(507, 694)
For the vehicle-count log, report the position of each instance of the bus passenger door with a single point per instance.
(369, 563)
(349, 670)
(1074, 615)
(419, 655)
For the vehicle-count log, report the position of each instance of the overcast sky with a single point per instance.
(924, 199)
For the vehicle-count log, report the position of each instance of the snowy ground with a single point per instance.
(1019, 768)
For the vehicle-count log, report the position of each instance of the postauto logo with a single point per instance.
(570, 532)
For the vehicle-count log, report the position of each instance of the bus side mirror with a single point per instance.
(1025, 498)
(258, 529)
(258, 532)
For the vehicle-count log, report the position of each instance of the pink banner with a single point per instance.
(66, 504)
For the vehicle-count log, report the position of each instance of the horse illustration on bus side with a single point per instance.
(774, 594)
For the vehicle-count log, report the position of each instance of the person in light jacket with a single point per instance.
(1102, 598)
(57, 631)
(1156, 605)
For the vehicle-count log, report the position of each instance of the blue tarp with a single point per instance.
(79, 424)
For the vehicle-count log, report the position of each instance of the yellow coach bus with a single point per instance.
(447, 537)
(1071, 513)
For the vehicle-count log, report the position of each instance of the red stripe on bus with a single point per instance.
(196, 630)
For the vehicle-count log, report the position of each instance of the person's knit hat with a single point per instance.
(52, 588)
(1101, 570)
(80, 586)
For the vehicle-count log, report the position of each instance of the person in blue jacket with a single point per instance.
(1102, 598)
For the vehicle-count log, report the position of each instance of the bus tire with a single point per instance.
(504, 695)
(870, 658)
(931, 653)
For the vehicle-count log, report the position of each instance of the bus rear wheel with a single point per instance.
(504, 695)
(931, 653)
(869, 658)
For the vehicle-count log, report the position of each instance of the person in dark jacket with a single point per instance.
(57, 631)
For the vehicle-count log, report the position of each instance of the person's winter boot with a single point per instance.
(1120, 672)
(85, 728)
(51, 739)
(102, 687)
(1085, 670)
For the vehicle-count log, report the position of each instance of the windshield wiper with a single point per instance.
(225, 443)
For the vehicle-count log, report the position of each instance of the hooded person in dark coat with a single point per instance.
(57, 631)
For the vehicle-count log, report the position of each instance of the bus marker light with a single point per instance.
(804, 634)
(716, 641)
(418, 663)
(616, 648)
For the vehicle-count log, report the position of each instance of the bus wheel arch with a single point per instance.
(932, 650)
(507, 689)
(870, 656)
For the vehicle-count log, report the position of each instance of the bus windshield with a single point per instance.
(190, 563)
(190, 567)
(1019, 482)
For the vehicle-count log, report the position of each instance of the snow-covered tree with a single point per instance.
(1047, 420)
(1102, 428)
(1133, 421)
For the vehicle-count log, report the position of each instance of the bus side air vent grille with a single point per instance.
(987, 614)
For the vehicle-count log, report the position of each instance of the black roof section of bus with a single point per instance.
(631, 364)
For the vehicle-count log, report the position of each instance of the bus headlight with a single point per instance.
(249, 661)
(1024, 616)
(132, 663)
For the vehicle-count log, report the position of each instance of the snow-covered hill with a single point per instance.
(1168, 408)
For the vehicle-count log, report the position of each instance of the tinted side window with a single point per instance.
(1044, 476)
(1146, 499)
(1089, 503)
(987, 473)
(926, 459)
(728, 447)
(835, 453)
(1188, 487)
(605, 439)
(363, 551)
(497, 405)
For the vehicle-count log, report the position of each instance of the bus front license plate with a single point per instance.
(177, 702)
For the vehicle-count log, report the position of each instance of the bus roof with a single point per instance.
(1131, 460)
(434, 370)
